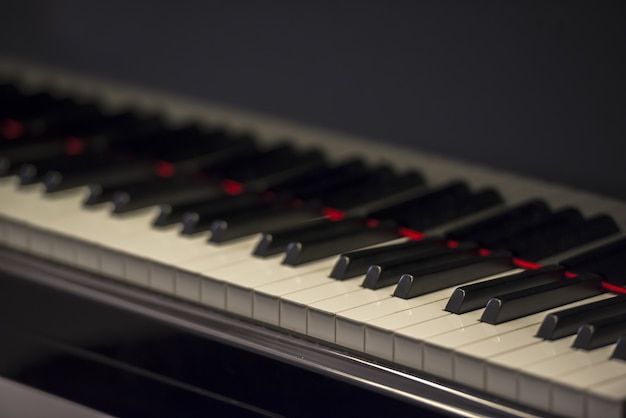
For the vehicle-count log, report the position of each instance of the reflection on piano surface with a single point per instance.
(419, 282)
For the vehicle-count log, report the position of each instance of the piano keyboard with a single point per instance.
(320, 268)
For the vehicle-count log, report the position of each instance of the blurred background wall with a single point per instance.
(534, 87)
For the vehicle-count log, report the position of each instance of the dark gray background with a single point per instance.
(533, 87)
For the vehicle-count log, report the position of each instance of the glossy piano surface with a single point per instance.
(106, 277)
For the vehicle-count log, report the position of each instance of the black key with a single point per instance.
(8, 92)
(99, 171)
(10, 132)
(423, 203)
(476, 202)
(12, 159)
(566, 322)
(187, 150)
(608, 260)
(252, 222)
(96, 137)
(28, 106)
(37, 121)
(206, 151)
(442, 208)
(374, 179)
(102, 192)
(359, 183)
(355, 263)
(525, 302)
(23, 104)
(142, 195)
(33, 172)
(112, 135)
(9, 96)
(620, 349)
(25, 122)
(600, 332)
(155, 193)
(563, 231)
(475, 296)
(503, 224)
(600, 226)
(105, 189)
(258, 170)
(423, 281)
(162, 142)
(377, 194)
(336, 241)
(269, 170)
(324, 181)
(184, 162)
(171, 213)
(266, 160)
(66, 171)
(537, 238)
(60, 119)
(200, 221)
(389, 271)
(276, 242)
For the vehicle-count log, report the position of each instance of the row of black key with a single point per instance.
(126, 166)
(279, 188)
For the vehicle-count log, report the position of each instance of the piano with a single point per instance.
(315, 275)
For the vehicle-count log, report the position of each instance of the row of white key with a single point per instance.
(415, 333)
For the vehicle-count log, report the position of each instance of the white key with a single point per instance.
(272, 297)
(128, 247)
(92, 232)
(465, 367)
(120, 246)
(230, 287)
(57, 219)
(187, 273)
(93, 235)
(234, 288)
(178, 252)
(293, 306)
(469, 361)
(28, 215)
(566, 398)
(326, 315)
(379, 332)
(150, 256)
(535, 381)
(606, 399)
(351, 323)
(266, 298)
(20, 203)
(321, 314)
(7, 189)
(502, 369)
(239, 290)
